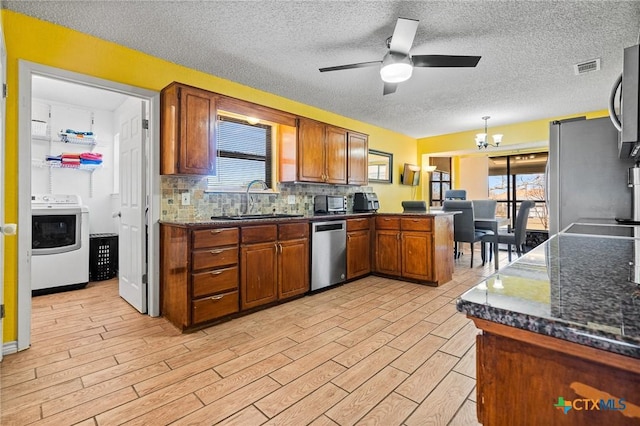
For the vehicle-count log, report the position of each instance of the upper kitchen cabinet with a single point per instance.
(322, 154)
(188, 122)
(357, 168)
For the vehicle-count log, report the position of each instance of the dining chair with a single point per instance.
(464, 230)
(414, 207)
(518, 237)
(455, 194)
(485, 209)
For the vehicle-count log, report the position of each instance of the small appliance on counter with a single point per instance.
(331, 204)
(365, 202)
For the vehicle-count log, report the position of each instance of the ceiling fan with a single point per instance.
(397, 64)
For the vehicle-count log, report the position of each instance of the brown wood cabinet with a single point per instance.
(527, 372)
(414, 247)
(322, 154)
(358, 247)
(187, 132)
(274, 263)
(198, 274)
(357, 168)
(293, 259)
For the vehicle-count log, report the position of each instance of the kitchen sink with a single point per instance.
(256, 216)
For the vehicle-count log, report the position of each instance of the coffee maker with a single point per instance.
(365, 202)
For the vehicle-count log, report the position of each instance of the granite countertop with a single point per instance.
(581, 287)
(267, 219)
(219, 220)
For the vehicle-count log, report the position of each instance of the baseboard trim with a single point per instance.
(9, 348)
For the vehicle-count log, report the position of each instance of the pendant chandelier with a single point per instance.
(482, 138)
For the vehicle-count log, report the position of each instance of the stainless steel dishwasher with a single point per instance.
(328, 253)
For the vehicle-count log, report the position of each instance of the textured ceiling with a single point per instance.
(528, 50)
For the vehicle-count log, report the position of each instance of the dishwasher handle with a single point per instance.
(324, 227)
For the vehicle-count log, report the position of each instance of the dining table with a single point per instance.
(492, 223)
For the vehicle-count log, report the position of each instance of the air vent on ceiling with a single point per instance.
(587, 66)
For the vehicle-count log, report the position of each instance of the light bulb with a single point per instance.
(396, 68)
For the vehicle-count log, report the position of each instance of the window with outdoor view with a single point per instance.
(440, 181)
(516, 178)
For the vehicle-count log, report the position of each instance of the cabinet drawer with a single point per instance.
(215, 281)
(215, 237)
(293, 231)
(357, 224)
(415, 224)
(214, 307)
(215, 257)
(387, 222)
(259, 234)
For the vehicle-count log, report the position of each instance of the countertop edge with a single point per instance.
(583, 336)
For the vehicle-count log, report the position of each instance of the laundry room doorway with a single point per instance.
(90, 138)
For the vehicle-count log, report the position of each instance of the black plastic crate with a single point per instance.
(103, 256)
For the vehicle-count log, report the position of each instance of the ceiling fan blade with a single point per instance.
(444, 61)
(350, 66)
(403, 35)
(389, 88)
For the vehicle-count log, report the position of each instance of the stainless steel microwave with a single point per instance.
(329, 204)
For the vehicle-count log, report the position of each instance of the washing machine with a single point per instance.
(59, 243)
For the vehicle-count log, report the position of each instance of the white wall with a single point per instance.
(474, 177)
(95, 188)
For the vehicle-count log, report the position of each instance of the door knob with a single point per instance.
(9, 228)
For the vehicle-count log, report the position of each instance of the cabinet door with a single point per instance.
(336, 155)
(197, 132)
(293, 268)
(187, 134)
(388, 252)
(358, 254)
(417, 262)
(258, 275)
(311, 150)
(358, 159)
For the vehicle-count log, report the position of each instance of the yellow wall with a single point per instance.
(52, 45)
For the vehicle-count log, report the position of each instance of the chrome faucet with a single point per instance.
(249, 199)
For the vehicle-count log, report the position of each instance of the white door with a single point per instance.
(132, 266)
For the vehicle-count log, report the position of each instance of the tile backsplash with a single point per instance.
(206, 204)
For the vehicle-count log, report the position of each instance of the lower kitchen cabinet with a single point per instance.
(595, 382)
(198, 274)
(358, 247)
(258, 274)
(414, 247)
(293, 268)
(274, 263)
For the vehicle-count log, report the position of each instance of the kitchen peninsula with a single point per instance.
(218, 268)
(560, 338)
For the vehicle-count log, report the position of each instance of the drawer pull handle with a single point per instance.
(218, 297)
(216, 231)
(216, 272)
(216, 251)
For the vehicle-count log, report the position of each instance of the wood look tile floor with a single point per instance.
(371, 352)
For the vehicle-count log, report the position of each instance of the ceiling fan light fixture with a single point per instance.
(396, 68)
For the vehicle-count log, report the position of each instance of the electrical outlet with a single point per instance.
(291, 199)
(186, 198)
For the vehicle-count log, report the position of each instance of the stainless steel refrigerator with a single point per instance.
(585, 177)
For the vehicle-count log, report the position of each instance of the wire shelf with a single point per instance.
(77, 139)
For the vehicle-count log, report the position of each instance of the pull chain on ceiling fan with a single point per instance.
(398, 63)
